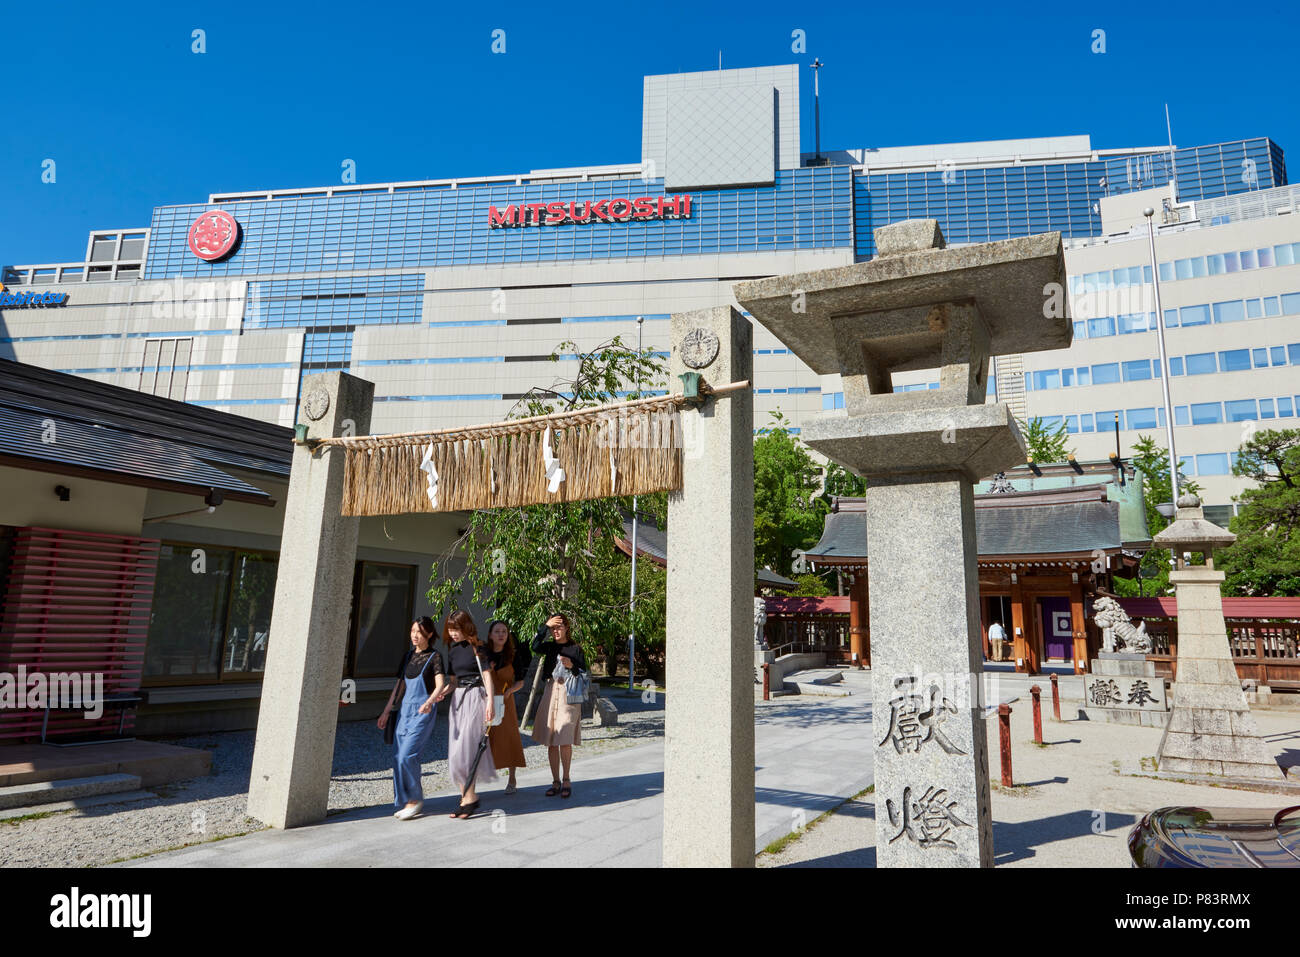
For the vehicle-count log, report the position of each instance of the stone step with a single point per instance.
(66, 789)
(77, 804)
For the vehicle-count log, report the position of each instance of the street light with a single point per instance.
(631, 604)
(1164, 361)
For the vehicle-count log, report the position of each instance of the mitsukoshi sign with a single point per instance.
(642, 208)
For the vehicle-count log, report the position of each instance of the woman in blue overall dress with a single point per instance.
(420, 686)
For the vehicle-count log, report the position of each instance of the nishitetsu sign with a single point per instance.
(643, 208)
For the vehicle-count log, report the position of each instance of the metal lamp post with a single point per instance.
(1164, 360)
(631, 606)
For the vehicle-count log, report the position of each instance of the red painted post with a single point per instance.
(1056, 700)
(767, 674)
(1004, 740)
(1034, 692)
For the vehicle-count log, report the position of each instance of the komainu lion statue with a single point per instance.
(1117, 630)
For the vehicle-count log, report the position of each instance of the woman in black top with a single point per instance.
(559, 724)
(420, 685)
(470, 674)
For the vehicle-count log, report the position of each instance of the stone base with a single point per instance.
(1123, 689)
(1216, 741)
(1146, 719)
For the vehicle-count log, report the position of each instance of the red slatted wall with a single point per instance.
(75, 601)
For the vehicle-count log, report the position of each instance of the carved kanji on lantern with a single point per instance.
(927, 820)
(913, 720)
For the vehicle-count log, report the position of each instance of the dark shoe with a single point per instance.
(466, 811)
(566, 791)
(553, 790)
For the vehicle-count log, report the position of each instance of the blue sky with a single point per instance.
(133, 118)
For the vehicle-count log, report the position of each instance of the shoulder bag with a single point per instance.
(498, 701)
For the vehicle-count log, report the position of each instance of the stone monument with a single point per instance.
(1210, 730)
(294, 750)
(919, 305)
(1122, 687)
(709, 713)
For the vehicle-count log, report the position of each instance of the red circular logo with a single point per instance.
(213, 235)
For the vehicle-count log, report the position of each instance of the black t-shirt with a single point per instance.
(462, 662)
(415, 661)
(553, 650)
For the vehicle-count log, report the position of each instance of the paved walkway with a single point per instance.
(810, 756)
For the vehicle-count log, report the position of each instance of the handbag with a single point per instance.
(498, 701)
(577, 682)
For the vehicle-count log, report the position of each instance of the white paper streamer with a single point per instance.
(553, 470)
(613, 472)
(426, 465)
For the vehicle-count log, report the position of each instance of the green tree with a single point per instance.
(840, 481)
(811, 585)
(1152, 464)
(1043, 444)
(1265, 558)
(528, 562)
(788, 508)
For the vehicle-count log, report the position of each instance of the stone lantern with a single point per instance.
(1211, 730)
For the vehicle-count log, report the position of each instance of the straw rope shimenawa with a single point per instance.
(623, 448)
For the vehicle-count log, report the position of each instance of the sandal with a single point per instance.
(553, 790)
(566, 791)
(466, 811)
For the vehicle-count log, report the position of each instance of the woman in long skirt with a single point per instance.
(507, 748)
(470, 713)
(420, 686)
(558, 724)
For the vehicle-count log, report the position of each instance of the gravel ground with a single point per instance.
(204, 809)
(1081, 795)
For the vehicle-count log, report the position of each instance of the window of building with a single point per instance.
(165, 367)
(1285, 409)
(188, 621)
(1194, 315)
(103, 248)
(1239, 410)
(1141, 418)
(1085, 422)
(1231, 311)
(1137, 370)
(1290, 303)
(132, 246)
(381, 618)
(1234, 360)
(1201, 363)
(1213, 463)
(1101, 326)
(1259, 357)
(1180, 415)
(1083, 375)
(1206, 413)
(1266, 408)
(1106, 421)
(1171, 318)
(1175, 365)
(1105, 373)
(1046, 379)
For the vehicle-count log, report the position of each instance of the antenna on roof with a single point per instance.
(817, 114)
(1173, 166)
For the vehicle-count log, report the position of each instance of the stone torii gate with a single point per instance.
(709, 744)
